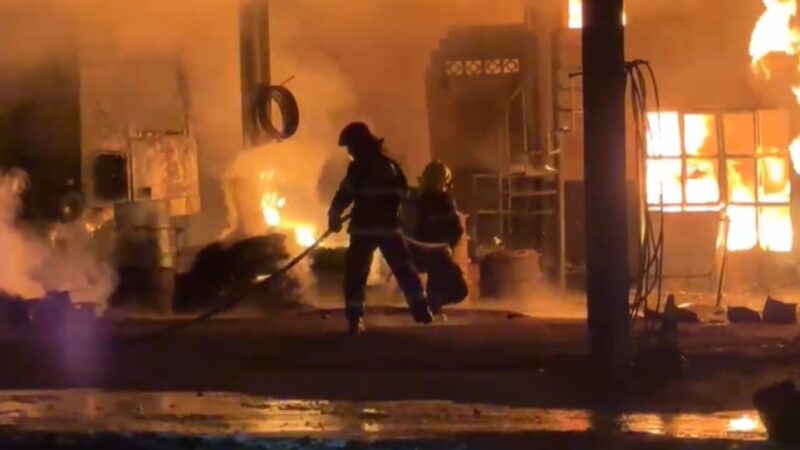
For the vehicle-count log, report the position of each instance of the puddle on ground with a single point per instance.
(219, 414)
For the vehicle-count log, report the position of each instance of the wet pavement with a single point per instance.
(249, 419)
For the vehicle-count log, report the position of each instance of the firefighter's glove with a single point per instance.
(335, 223)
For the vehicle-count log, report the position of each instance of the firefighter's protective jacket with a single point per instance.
(375, 185)
(437, 219)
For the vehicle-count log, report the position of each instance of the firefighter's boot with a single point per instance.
(355, 321)
(437, 309)
(356, 327)
(421, 312)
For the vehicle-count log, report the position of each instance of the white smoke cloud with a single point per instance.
(34, 263)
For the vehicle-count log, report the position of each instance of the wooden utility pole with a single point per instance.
(608, 282)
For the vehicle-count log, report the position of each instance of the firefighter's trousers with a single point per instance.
(446, 283)
(359, 260)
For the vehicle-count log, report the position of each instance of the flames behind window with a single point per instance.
(685, 161)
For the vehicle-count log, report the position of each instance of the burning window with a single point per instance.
(682, 174)
(738, 162)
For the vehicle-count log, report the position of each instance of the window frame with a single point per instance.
(721, 159)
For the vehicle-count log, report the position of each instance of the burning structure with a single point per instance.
(715, 171)
(123, 111)
(143, 122)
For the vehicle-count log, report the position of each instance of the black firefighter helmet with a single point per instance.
(358, 138)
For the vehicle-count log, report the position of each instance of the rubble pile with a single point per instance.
(218, 268)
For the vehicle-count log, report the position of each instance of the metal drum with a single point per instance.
(461, 257)
(510, 274)
(145, 256)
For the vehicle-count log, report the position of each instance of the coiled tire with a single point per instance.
(288, 107)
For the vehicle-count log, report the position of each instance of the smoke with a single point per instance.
(44, 42)
(35, 263)
(293, 168)
(349, 60)
(381, 48)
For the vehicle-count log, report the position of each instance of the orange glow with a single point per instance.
(744, 424)
(664, 136)
(575, 15)
(665, 171)
(794, 151)
(775, 185)
(664, 182)
(697, 128)
(742, 234)
(775, 229)
(272, 204)
(774, 33)
(750, 226)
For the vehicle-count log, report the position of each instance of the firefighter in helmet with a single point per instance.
(434, 235)
(376, 186)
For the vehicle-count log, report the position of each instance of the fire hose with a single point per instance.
(236, 296)
(239, 292)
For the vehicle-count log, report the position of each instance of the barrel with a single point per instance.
(506, 274)
(145, 256)
(461, 257)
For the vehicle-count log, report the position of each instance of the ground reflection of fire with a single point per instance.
(272, 205)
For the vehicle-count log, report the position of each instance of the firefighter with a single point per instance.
(436, 232)
(376, 186)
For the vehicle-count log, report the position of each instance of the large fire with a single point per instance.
(683, 175)
(272, 205)
(665, 168)
(775, 32)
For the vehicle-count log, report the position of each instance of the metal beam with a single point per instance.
(254, 59)
(608, 280)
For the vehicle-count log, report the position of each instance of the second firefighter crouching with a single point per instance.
(433, 229)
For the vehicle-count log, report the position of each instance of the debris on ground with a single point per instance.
(218, 267)
(741, 314)
(779, 313)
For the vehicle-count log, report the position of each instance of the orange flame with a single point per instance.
(775, 32)
(272, 204)
(749, 225)
(575, 15)
(664, 176)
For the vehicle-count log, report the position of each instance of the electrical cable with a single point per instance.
(651, 252)
(287, 105)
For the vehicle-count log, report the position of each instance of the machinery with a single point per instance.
(101, 132)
